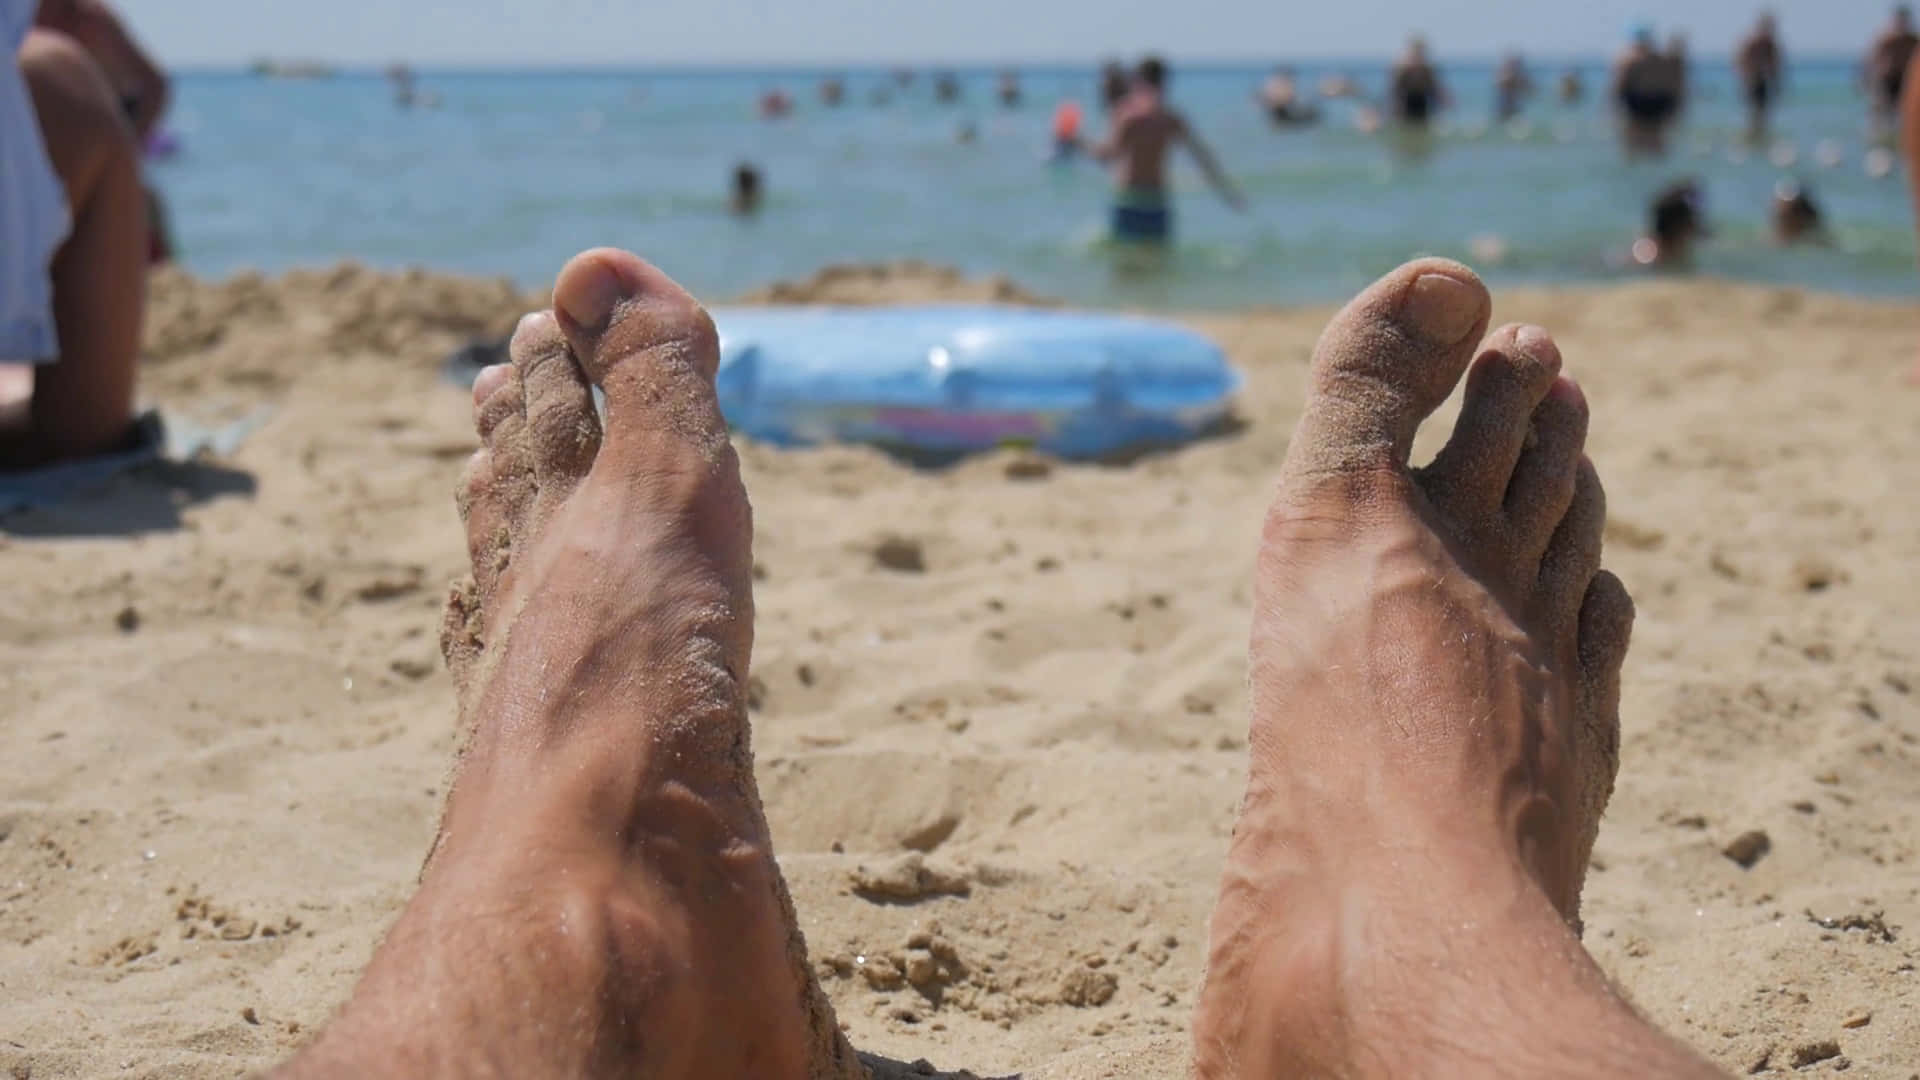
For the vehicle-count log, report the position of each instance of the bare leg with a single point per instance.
(84, 403)
(1910, 147)
(1435, 686)
(603, 899)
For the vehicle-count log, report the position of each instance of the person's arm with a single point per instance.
(1210, 166)
(1115, 143)
(135, 74)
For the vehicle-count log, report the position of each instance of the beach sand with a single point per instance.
(1000, 713)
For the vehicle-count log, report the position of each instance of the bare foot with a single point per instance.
(603, 898)
(1435, 687)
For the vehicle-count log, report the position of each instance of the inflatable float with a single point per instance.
(950, 380)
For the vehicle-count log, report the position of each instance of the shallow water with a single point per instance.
(514, 172)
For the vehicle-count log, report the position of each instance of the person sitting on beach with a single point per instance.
(73, 265)
(142, 87)
(1145, 131)
(1761, 69)
(746, 189)
(1280, 100)
(1435, 673)
(1884, 72)
(1415, 92)
(1512, 86)
(1646, 93)
(1674, 224)
(1796, 217)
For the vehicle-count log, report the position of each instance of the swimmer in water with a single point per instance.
(1675, 225)
(1512, 86)
(833, 90)
(1145, 131)
(1884, 71)
(746, 189)
(1761, 69)
(1646, 93)
(775, 104)
(1008, 89)
(1066, 131)
(1796, 217)
(1280, 100)
(1415, 93)
(946, 88)
(1573, 88)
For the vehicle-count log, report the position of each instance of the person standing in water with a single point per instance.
(1884, 71)
(1646, 93)
(1145, 131)
(1115, 85)
(1758, 61)
(1512, 86)
(1280, 100)
(1415, 92)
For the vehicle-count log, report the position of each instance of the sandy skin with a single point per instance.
(1435, 667)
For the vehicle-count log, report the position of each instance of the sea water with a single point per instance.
(512, 172)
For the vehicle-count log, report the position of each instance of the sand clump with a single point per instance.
(1001, 759)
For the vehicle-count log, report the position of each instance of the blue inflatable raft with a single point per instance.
(949, 380)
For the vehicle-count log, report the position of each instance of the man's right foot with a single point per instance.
(1435, 684)
(603, 898)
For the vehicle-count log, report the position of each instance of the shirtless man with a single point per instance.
(73, 287)
(1415, 92)
(1762, 70)
(1435, 672)
(1145, 131)
(1280, 99)
(1647, 94)
(1884, 72)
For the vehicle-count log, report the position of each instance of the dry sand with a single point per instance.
(1000, 713)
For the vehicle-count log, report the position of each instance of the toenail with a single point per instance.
(1441, 308)
(1532, 340)
(532, 322)
(590, 293)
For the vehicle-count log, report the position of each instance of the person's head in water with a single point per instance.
(746, 188)
(1674, 225)
(1152, 74)
(1796, 217)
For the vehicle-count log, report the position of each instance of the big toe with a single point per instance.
(641, 338)
(1384, 364)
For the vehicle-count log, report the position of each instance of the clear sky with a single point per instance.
(619, 32)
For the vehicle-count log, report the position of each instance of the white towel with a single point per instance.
(33, 207)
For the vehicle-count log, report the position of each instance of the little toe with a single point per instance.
(1386, 361)
(562, 428)
(487, 383)
(1543, 479)
(1505, 385)
(483, 500)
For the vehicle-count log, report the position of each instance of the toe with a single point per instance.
(1573, 556)
(488, 382)
(1606, 627)
(641, 338)
(485, 510)
(1506, 383)
(1543, 479)
(1384, 364)
(562, 428)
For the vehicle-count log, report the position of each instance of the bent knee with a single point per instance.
(81, 121)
